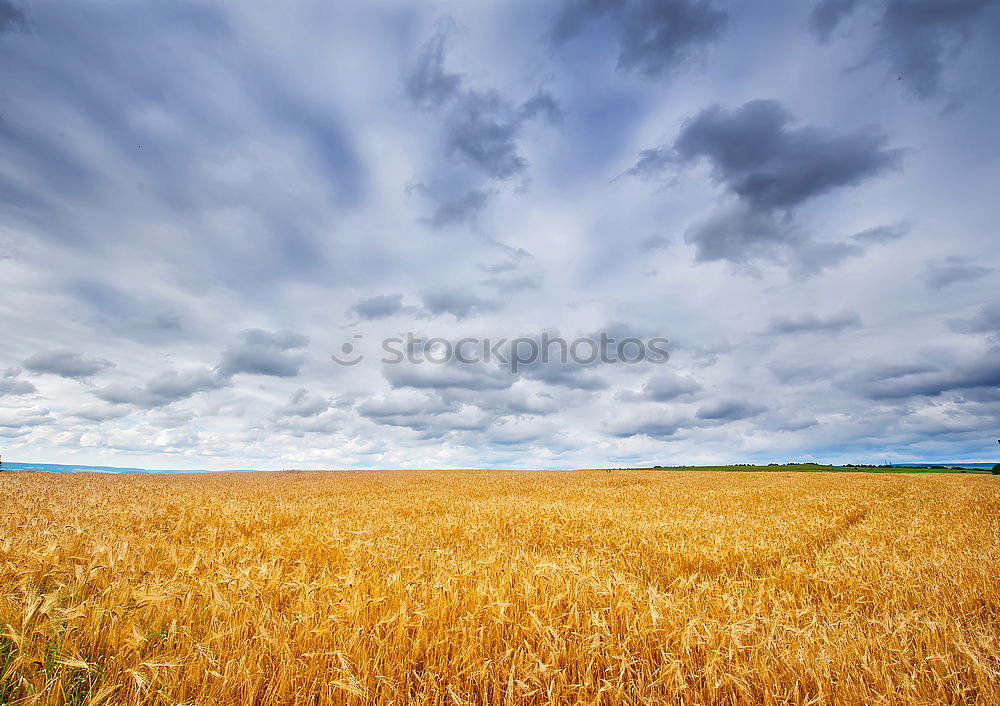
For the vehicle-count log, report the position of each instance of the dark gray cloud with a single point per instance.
(89, 77)
(264, 353)
(892, 371)
(575, 14)
(543, 104)
(12, 17)
(827, 14)
(792, 423)
(379, 306)
(67, 364)
(986, 320)
(166, 388)
(738, 233)
(483, 130)
(460, 303)
(659, 35)
(303, 404)
(896, 382)
(498, 363)
(170, 150)
(481, 127)
(664, 387)
(729, 410)
(771, 166)
(655, 37)
(569, 374)
(462, 210)
(321, 130)
(759, 154)
(553, 360)
(432, 376)
(916, 39)
(129, 314)
(811, 323)
(16, 387)
(11, 385)
(880, 234)
(942, 273)
(812, 256)
(653, 428)
(428, 84)
(741, 234)
(413, 411)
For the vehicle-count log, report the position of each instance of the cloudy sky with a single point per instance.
(201, 202)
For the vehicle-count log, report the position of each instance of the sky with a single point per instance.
(202, 203)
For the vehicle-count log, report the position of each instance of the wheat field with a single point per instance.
(499, 587)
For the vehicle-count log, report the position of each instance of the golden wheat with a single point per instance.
(499, 587)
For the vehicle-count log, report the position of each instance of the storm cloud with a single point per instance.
(67, 364)
(951, 270)
(986, 320)
(654, 428)
(12, 17)
(481, 127)
(827, 14)
(164, 389)
(663, 387)
(915, 40)
(759, 153)
(10, 384)
(980, 373)
(460, 303)
(264, 353)
(432, 376)
(303, 404)
(729, 410)
(379, 306)
(464, 209)
(771, 165)
(655, 37)
(811, 323)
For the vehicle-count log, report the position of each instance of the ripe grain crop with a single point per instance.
(499, 587)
